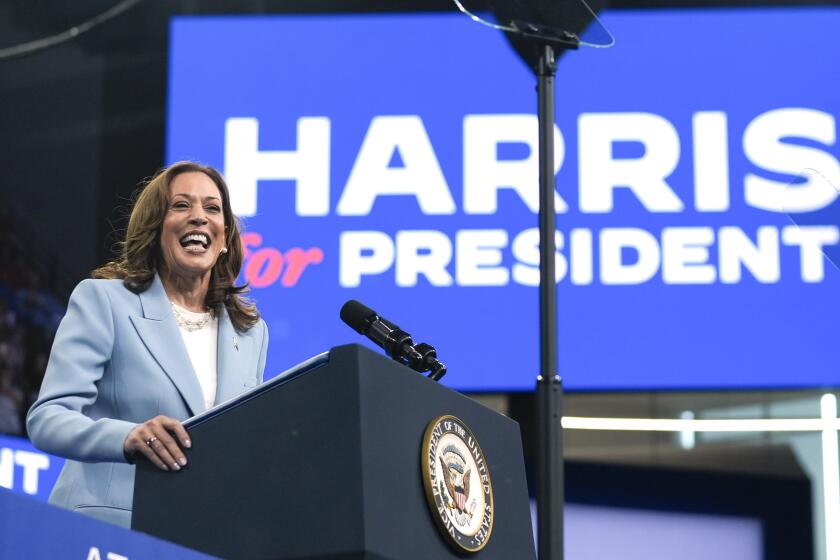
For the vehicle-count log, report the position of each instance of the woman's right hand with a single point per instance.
(159, 440)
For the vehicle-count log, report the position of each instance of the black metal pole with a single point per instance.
(550, 494)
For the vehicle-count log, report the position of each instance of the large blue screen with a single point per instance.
(392, 159)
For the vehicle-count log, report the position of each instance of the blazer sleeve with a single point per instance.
(81, 351)
(263, 352)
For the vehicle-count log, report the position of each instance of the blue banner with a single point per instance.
(30, 529)
(393, 159)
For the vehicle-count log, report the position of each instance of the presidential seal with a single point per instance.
(457, 483)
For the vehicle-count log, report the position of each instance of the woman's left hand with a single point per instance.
(154, 440)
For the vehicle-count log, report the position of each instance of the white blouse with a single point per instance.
(202, 346)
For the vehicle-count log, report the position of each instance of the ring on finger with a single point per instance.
(151, 440)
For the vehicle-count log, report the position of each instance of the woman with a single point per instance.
(162, 334)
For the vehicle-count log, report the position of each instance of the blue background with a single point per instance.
(443, 67)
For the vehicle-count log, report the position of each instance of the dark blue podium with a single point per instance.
(326, 463)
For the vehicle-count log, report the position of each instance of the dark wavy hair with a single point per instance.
(140, 255)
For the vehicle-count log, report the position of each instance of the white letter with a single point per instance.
(309, 165)
(811, 240)
(711, 161)
(485, 174)
(764, 146)
(613, 270)
(419, 176)
(432, 262)
(685, 254)
(580, 253)
(31, 463)
(478, 257)
(7, 468)
(363, 252)
(93, 554)
(762, 258)
(600, 174)
(115, 556)
(526, 250)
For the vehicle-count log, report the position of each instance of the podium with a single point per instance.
(327, 464)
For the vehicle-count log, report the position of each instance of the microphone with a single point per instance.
(396, 342)
(364, 320)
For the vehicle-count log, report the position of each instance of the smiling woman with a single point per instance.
(160, 334)
(193, 232)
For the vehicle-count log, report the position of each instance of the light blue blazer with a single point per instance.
(118, 360)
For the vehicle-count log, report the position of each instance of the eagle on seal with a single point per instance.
(457, 482)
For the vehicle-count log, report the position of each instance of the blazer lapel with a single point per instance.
(229, 360)
(159, 332)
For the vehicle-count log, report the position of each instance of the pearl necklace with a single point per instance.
(190, 325)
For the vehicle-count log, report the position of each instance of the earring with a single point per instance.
(223, 251)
